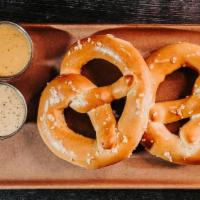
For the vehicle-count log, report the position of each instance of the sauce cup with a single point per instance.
(16, 50)
(13, 110)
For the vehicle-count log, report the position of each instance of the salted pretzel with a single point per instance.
(114, 140)
(185, 147)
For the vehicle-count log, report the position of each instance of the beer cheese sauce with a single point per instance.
(15, 50)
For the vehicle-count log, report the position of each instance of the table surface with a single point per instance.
(101, 11)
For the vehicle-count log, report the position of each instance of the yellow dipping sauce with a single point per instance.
(15, 49)
(13, 110)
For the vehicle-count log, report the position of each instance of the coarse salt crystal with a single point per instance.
(124, 139)
(173, 60)
(190, 112)
(79, 45)
(99, 44)
(89, 40)
(50, 117)
(114, 150)
(42, 118)
(89, 159)
(168, 156)
(143, 139)
(79, 101)
(55, 96)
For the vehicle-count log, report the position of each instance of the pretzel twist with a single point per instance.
(185, 148)
(114, 140)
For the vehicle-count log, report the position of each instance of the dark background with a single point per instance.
(101, 11)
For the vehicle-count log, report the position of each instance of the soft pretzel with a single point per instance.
(114, 140)
(185, 147)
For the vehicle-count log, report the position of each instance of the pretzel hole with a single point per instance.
(79, 123)
(101, 72)
(118, 107)
(176, 85)
(175, 126)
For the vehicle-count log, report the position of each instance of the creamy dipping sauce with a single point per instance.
(12, 110)
(15, 49)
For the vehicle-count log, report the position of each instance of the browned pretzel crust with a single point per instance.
(114, 140)
(185, 148)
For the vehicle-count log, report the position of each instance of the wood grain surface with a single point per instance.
(101, 11)
(100, 195)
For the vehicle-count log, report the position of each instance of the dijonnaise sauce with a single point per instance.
(13, 110)
(15, 49)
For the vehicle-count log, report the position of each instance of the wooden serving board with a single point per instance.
(26, 162)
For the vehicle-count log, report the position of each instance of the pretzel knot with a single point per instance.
(184, 148)
(114, 140)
